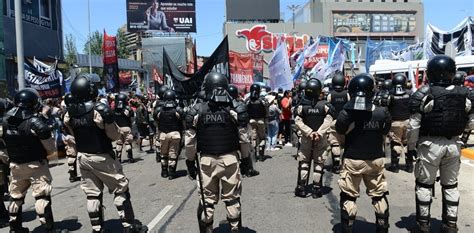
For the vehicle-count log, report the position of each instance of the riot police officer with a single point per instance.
(338, 97)
(440, 113)
(123, 118)
(400, 112)
(382, 97)
(70, 144)
(459, 78)
(5, 105)
(365, 126)
(169, 117)
(314, 117)
(94, 129)
(28, 142)
(246, 163)
(213, 131)
(158, 102)
(257, 110)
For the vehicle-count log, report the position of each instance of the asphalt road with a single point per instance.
(268, 202)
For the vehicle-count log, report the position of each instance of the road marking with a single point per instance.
(158, 217)
(467, 162)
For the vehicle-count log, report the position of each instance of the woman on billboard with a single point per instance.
(156, 18)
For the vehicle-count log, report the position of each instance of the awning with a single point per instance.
(124, 64)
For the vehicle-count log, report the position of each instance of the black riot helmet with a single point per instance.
(459, 78)
(69, 99)
(162, 91)
(169, 95)
(215, 85)
(338, 81)
(121, 101)
(399, 81)
(27, 99)
(387, 85)
(362, 85)
(441, 70)
(233, 91)
(302, 86)
(255, 91)
(313, 89)
(83, 89)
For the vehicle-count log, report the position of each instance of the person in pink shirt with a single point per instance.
(285, 116)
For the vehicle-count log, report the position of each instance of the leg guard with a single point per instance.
(409, 160)
(164, 166)
(96, 212)
(303, 170)
(44, 211)
(124, 206)
(381, 213)
(172, 172)
(394, 164)
(15, 212)
(234, 215)
(336, 158)
(118, 151)
(158, 156)
(205, 220)
(346, 220)
(317, 179)
(450, 205)
(423, 197)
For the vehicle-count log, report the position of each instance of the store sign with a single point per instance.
(346, 23)
(33, 11)
(258, 39)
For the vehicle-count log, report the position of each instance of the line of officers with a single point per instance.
(351, 123)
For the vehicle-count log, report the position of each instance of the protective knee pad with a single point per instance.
(96, 212)
(237, 219)
(44, 211)
(164, 160)
(124, 206)
(303, 169)
(336, 152)
(423, 197)
(382, 216)
(128, 147)
(15, 212)
(119, 147)
(346, 220)
(450, 203)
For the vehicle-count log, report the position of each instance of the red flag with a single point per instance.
(156, 75)
(110, 60)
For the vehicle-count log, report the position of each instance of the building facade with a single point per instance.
(42, 34)
(355, 20)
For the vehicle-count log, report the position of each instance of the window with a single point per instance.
(45, 9)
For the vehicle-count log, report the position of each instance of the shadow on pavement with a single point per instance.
(224, 227)
(360, 225)
(180, 173)
(70, 224)
(409, 223)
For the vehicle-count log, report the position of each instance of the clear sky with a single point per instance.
(210, 15)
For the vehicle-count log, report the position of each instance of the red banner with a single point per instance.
(109, 49)
(310, 62)
(241, 69)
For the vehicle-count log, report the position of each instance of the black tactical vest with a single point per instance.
(217, 132)
(338, 100)
(313, 116)
(89, 138)
(21, 144)
(121, 119)
(168, 121)
(448, 117)
(256, 109)
(399, 107)
(365, 141)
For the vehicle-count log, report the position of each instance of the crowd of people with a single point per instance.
(224, 132)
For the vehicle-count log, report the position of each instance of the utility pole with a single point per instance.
(293, 8)
(20, 58)
(89, 25)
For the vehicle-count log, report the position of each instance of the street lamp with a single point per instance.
(293, 8)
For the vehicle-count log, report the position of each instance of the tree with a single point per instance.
(95, 43)
(122, 50)
(70, 49)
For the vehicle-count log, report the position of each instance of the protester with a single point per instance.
(273, 121)
(285, 117)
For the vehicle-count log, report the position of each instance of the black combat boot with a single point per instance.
(422, 227)
(172, 172)
(246, 168)
(130, 156)
(164, 170)
(381, 223)
(192, 170)
(449, 228)
(300, 191)
(261, 153)
(317, 192)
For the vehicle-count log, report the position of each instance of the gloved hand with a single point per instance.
(105, 112)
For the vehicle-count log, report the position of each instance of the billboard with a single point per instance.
(348, 24)
(161, 15)
(252, 10)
